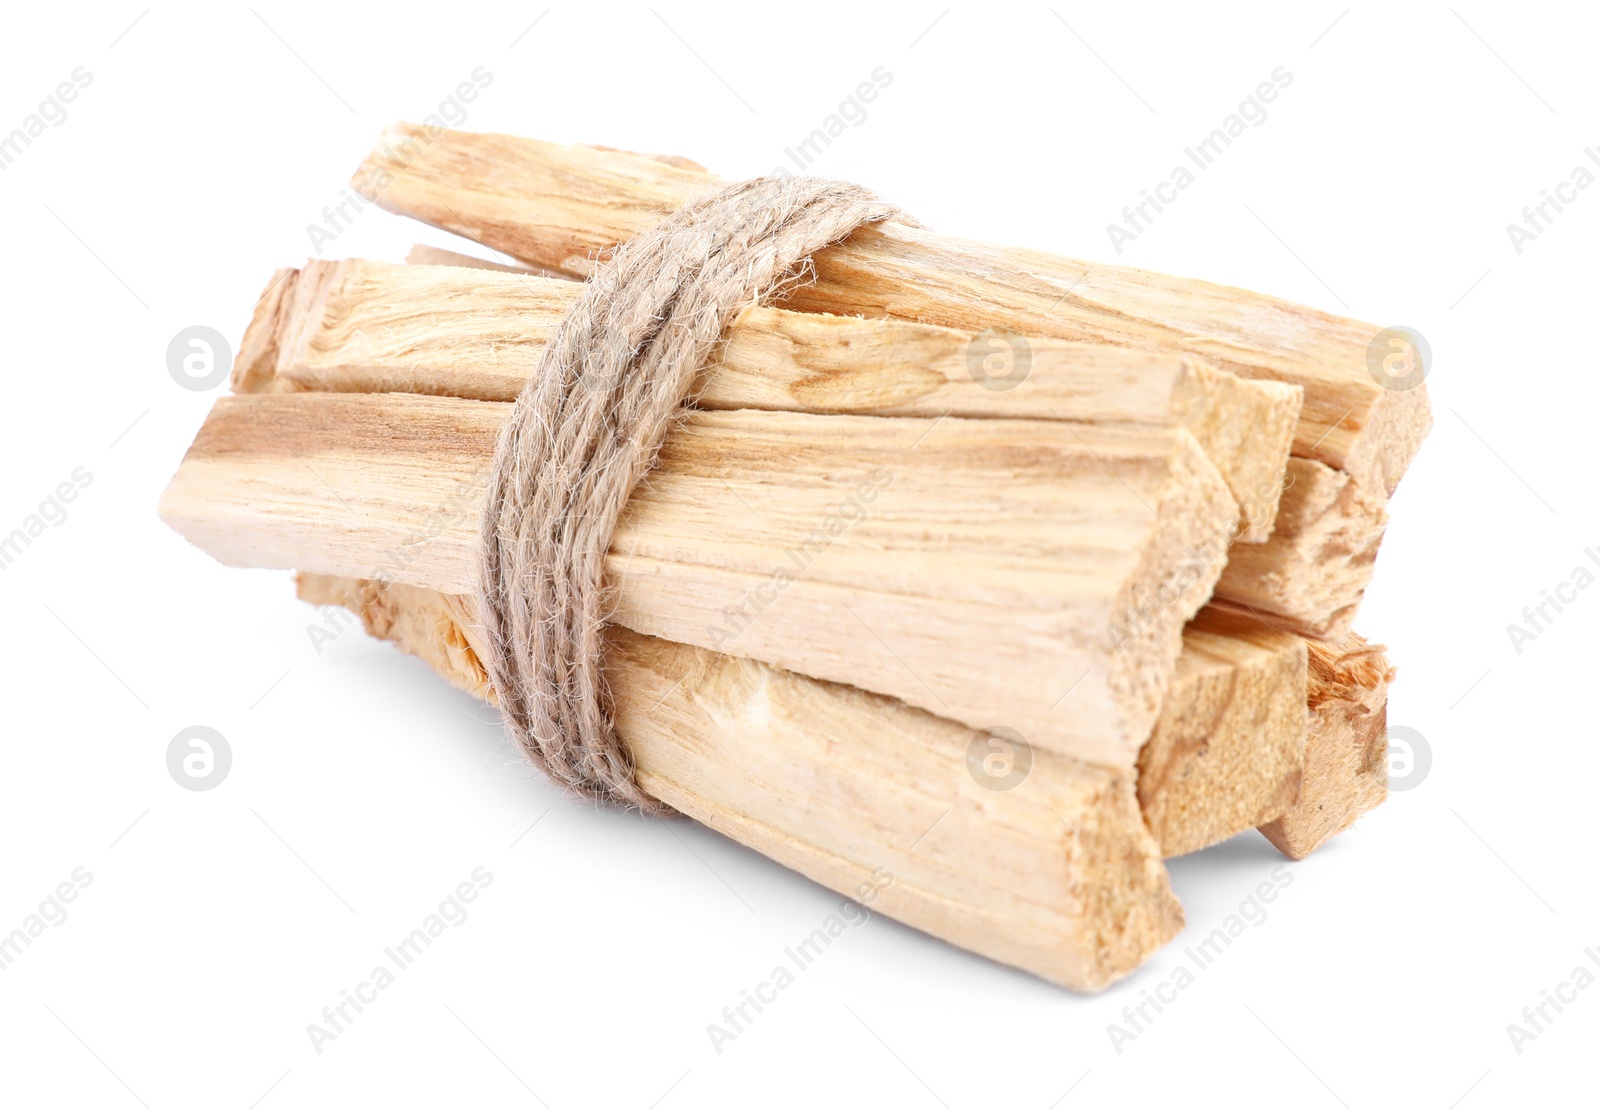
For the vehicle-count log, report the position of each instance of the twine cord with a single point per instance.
(587, 428)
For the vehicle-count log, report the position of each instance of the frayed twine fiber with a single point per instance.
(587, 428)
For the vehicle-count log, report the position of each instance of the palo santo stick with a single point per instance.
(1310, 576)
(562, 207)
(1057, 875)
(1227, 751)
(254, 364)
(359, 326)
(427, 254)
(1226, 754)
(974, 567)
(362, 326)
(1347, 746)
(1210, 770)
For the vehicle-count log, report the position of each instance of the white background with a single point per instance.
(363, 789)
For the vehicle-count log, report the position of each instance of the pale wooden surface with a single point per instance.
(562, 206)
(427, 254)
(1347, 768)
(360, 326)
(1226, 753)
(364, 326)
(1032, 575)
(1312, 573)
(1207, 773)
(362, 335)
(256, 360)
(1057, 876)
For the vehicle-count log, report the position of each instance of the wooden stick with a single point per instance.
(1184, 789)
(257, 359)
(1225, 756)
(562, 207)
(1311, 575)
(1346, 767)
(1056, 875)
(428, 254)
(1226, 753)
(1211, 768)
(361, 326)
(984, 569)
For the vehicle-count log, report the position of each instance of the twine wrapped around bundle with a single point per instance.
(588, 427)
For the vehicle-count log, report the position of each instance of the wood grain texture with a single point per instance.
(1202, 741)
(1311, 575)
(428, 254)
(1347, 767)
(984, 569)
(363, 326)
(360, 326)
(1057, 876)
(565, 206)
(1226, 753)
(256, 362)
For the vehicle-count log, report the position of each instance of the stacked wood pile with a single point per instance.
(1005, 575)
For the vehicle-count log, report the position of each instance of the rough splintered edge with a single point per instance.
(1144, 927)
(1396, 426)
(1142, 661)
(255, 366)
(1274, 416)
(1194, 789)
(1348, 695)
(1325, 569)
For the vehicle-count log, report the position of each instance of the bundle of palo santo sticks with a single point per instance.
(997, 576)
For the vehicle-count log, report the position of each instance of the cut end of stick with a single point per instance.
(1126, 880)
(1399, 422)
(1311, 575)
(255, 366)
(1177, 576)
(1227, 752)
(1248, 436)
(1346, 769)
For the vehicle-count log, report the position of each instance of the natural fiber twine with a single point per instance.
(587, 428)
